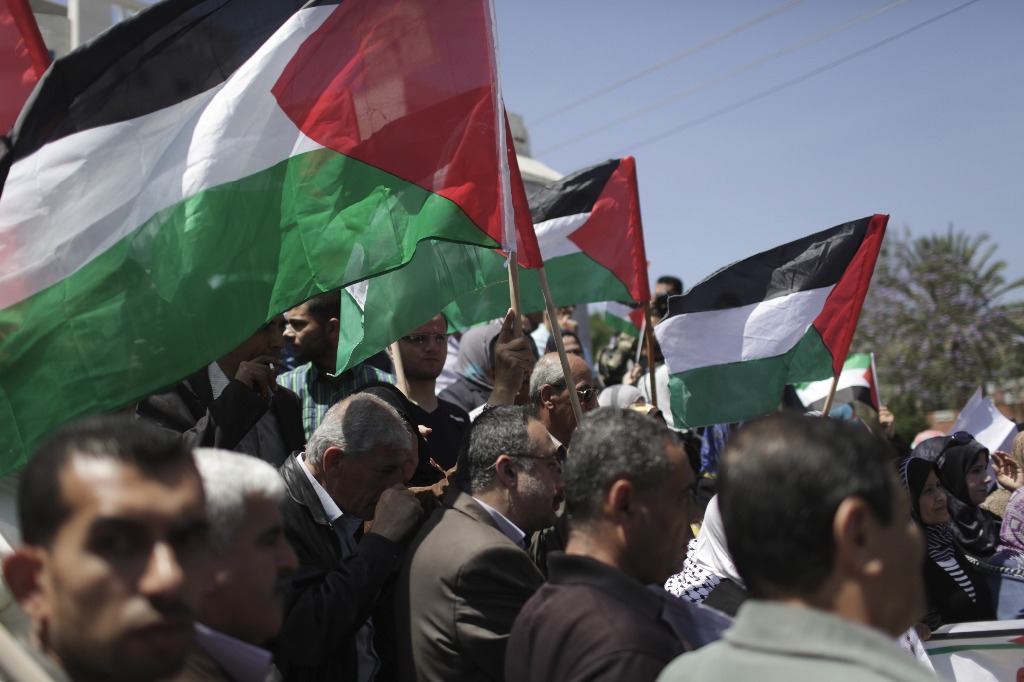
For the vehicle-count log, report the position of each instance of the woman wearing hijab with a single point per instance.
(963, 472)
(475, 367)
(1007, 576)
(957, 592)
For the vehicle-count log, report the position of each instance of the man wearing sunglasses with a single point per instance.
(551, 399)
(466, 573)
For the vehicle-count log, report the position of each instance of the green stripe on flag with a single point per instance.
(573, 279)
(720, 394)
(198, 278)
(620, 325)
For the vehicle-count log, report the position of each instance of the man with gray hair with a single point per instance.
(551, 400)
(467, 574)
(629, 504)
(352, 470)
(242, 611)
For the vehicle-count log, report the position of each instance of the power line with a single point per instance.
(771, 91)
(660, 65)
(725, 76)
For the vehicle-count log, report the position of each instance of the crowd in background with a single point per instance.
(273, 518)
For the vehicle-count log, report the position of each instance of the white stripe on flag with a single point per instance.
(120, 175)
(553, 235)
(762, 330)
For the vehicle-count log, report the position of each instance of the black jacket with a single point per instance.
(329, 598)
(190, 410)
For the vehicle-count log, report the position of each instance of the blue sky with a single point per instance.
(927, 128)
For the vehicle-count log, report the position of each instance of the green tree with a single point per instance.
(936, 320)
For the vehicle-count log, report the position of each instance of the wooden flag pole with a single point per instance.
(648, 336)
(831, 394)
(396, 358)
(556, 332)
(16, 664)
(513, 292)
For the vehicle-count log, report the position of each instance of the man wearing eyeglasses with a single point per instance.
(466, 574)
(423, 354)
(551, 400)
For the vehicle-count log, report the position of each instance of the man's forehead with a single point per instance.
(299, 312)
(106, 487)
(435, 326)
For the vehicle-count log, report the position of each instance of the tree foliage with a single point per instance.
(936, 319)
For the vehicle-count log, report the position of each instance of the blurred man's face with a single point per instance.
(425, 349)
(267, 341)
(661, 527)
(900, 548)
(247, 602)
(309, 339)
(357, 484)
(541, 486)
(123, 578)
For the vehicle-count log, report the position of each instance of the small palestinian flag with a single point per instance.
(856, 382)
(622, 318)
(591, 239)
(207, 164)
(785, 316)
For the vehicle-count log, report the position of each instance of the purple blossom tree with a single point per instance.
(937, 320)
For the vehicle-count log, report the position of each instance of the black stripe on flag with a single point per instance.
(165, 54)
(810, 263)
(573, 194)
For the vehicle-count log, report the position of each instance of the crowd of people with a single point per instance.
(272, 518)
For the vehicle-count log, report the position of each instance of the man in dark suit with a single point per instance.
(352, 471)
(235, 403)
(467, 574)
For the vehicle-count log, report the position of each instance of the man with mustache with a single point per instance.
(242, 611)
(235, 403)
(467, 573)
(114, 557)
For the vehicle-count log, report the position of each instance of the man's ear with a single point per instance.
(547, 392)
(22, 572)
(620, 502)
(333, 459)
(505, 470)
(333, 329)
(854, 529)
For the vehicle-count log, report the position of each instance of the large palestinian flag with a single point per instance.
(208, 164)
(591, 239)
(784, 316)
(856, 382)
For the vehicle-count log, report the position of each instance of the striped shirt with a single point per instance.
(319, 390)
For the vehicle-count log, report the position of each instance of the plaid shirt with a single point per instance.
(319, 390)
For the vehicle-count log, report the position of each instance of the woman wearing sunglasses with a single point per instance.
(957, 592)
(963, 471)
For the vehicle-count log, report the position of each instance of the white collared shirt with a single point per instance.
(507, 527)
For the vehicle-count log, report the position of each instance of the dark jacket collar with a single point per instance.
(301, 491)
(572, 569)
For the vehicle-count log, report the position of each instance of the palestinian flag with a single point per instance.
(591, 239)
(208, 164)
(785, 316)
(856, 382)
(23, 58)
(380, 310)
(623, 318)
